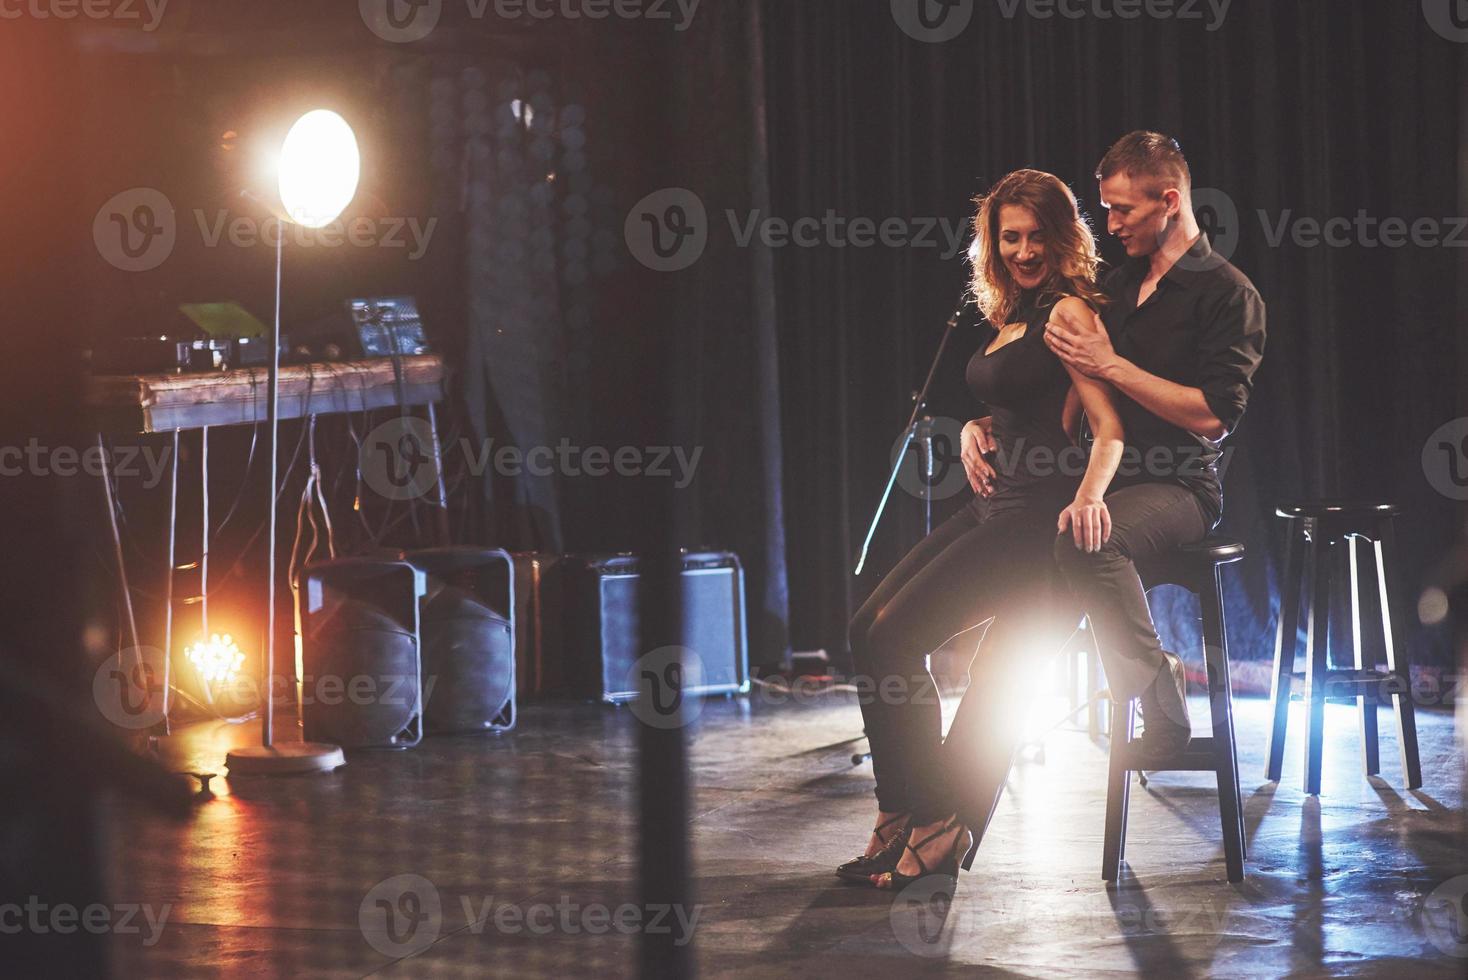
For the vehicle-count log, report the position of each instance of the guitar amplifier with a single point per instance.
(601, 594)
(540, 658)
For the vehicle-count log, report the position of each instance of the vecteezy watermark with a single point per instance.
(1363, 230)
(404, 915)
(937, 21)
(667, 682)
(923, 919)
(407, 21)
(1445, 459)
(331, 690)
(933, 21)
(932, 465)
(397, 459)
(1449, 18)
(1219, 216)
(1427, 690)
(927, 923)
(932, 468)
(147, 14)
(123, 919)
(669, 230)
(126, 462)
(128, 688)
(1445, 917)
(137, 230)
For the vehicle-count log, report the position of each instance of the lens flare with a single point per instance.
(217, 659)
(320, 166)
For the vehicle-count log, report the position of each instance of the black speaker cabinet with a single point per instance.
(468, 639)
(601, 604)
(361, 683)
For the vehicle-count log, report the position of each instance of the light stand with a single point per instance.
(319, 171)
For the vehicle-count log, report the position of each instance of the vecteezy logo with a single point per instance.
(401, 916)
(668, 230)
(401, 21)
(933, 21)
(1449, 18)
(1218, 217)
(396, 458)
(128, 688)
(1445, 916)
(1445, 459)
(931, 464)
(923, 919)
(666, 681)
(136, 229)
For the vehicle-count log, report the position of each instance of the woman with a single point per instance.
(1036, 262)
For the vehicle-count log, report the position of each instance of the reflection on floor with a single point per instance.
(512, 856)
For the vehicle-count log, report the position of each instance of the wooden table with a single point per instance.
(168, 402)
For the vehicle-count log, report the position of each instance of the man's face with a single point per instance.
(1139, 219)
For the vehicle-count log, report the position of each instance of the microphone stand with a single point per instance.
(920, 401)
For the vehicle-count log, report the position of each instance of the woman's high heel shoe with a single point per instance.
(862, 869)
(961, 852)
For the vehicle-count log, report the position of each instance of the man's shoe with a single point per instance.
(1167, 729)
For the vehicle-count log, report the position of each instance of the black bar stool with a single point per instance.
(1313, 530)
(1196, 568)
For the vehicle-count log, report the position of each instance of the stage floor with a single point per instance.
(514, 856)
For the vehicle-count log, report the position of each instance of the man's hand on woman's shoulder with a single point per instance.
(1078, 337)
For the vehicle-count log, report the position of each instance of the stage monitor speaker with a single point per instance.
(602, 622)
(468, 639)
(361, 683)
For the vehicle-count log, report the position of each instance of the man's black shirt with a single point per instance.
(1203, 328)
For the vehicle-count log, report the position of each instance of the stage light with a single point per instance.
(217, 660)
(320, 166)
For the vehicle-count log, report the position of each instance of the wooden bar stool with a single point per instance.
(1313, 530)
(1196, 568)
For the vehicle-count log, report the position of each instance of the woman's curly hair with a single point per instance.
(1070, 245)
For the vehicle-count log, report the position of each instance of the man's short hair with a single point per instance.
(1149, 158)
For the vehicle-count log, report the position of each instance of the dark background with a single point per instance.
(792, 367)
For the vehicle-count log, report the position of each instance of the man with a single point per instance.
(1184, 335)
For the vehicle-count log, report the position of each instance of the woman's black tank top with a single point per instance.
(1025, 386)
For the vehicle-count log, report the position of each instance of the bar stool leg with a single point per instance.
(1096, 724)
(1072, 674)
(1365, 702)
(1285, 641)
(1220, 713)
(1317, 658)
(1400, 667)
(1118, 789)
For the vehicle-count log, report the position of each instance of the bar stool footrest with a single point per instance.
(1197, 757)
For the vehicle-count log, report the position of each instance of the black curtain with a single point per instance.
(543, 159)
(1288, 110)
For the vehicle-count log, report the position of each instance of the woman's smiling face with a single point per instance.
(1022, 246)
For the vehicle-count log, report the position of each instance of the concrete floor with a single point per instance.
(284, 877)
